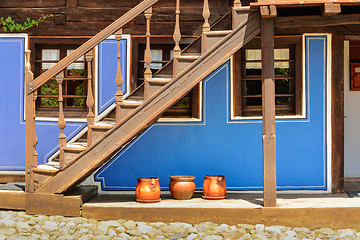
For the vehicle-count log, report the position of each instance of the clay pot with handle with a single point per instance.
(148, 190)
(214, 187)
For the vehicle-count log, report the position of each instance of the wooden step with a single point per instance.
(156, 83)
(97, 131)
(127, 106)
(180, 63)
(71, 151)
(209, 39)
(44, 172)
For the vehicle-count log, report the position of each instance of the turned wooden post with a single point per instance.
(30, 130)
(61, 123)
(268, 111)
(177, 33)
(118, 80)
(90, 99)
(147, 73)
(206, 15)
(237, 4)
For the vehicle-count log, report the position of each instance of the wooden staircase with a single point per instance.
(141, 109)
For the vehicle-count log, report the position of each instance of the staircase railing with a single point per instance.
(32, 85)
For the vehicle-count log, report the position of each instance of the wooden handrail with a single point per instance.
(112, 28)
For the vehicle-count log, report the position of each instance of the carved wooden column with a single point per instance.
(147, 73)
(177, 33)
(61, 122)
(30, 130)
(90, 99)
(237, 4)
(118, 80)
(268, 111)
(206, 15)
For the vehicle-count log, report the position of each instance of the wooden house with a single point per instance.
(115, 90)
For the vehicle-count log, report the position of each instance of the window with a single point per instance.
(161, 54)
(248, 79)
(74, 85)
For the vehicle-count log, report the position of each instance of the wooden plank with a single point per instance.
(337, 218)
(298, 3)
(268, 111)
(330, 9)
(316, 21)
(53, 204)
(32, 3)
(6, 178)
(127, 17)
(144, 115)
(71, 3)
(337, 114)
(14, 200)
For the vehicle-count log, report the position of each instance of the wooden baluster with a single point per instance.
(147, 73)
(90, 99)
(118, 80)
(206, 15)
(237, 4)
(30, 130)
(61, 123)
(177, 33)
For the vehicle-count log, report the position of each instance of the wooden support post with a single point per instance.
(118, 80)
(147, 73)
(268, 111)
(177, 33)
(30, 131)
(268, 11)
(61, 122)
(90, 99)
(206, 15)
(237, 4)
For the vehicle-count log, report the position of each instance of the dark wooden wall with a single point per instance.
(88, 17)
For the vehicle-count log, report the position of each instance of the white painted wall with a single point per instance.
(351, 123)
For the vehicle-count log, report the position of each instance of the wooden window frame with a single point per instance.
(294, 43)
(37, 43)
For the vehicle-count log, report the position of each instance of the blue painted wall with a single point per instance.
(12, 124)
(218, 145)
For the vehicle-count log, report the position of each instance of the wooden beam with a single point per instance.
(337, 114)
(316, 21)
(268, 111)
(330, 9)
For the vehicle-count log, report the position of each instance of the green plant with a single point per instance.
(80, 90)
(9, 24)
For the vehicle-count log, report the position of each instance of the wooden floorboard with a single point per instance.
(12, 200)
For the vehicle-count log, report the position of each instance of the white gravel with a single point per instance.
(19, 225)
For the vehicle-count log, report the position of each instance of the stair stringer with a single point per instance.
(148, 113)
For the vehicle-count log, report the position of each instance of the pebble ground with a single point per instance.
(19, 225)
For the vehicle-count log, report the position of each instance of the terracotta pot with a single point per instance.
(182, 187)
(148, 190)
(214, 187)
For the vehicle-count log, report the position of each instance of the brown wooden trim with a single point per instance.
(71, 3)
(337, 114)
(147, 113)
(268, 111)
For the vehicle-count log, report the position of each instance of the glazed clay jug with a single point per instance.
(214, 187)
(148, 190)
(182, 187)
